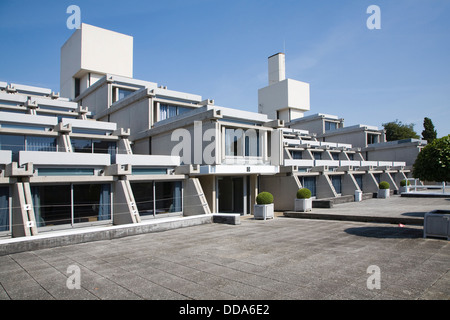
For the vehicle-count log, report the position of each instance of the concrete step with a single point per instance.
(357, 218)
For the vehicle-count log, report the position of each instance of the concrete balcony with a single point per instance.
(64, 158)
(91, 125)
(238, 169)
(354, 163)
(302, 163)
(144, 160)
(329, 163)
(28, 119)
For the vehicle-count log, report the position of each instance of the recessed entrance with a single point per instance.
(231, 194)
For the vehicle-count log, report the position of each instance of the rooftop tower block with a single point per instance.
(284, 99)
(89, 54)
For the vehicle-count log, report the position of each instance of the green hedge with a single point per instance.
(404, 182)
(384, 185)
(303, 193)
(264, 198)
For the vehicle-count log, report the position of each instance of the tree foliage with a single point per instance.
(433, 162)
(396, 130)
(429, 133)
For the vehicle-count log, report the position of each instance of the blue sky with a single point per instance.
(219, 49)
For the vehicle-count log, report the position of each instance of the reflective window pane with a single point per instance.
(124, 93)
(336, 181)
(310, 183)
(13, 143)
(81, 145)
(52, 205)
(91, 202)
(105, 147)
(41, 143)
(143, 195)
(168, 196)
(4, 208)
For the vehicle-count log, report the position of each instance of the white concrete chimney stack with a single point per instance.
(277, 68)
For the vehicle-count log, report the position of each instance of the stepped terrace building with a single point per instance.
(61, 169)
(118, 150)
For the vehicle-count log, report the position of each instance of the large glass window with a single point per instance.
(35, 143)
(336, 182)
(252, 143)
(144, 198)
(168, 196)
(13, 143)
(123, 93)
(91, 202)
(310, 183)
(359, 180)
(81, 145)
(93, 146)
(159, 197)
(329, 125)
(120, 93)
(52, 205)
(239, 142)
(297, 154)
(372, 138)
(233, 141)
(16, 143)
(104, 146)
(70, 204)
(4, 208)
(168, 111)
(335, 155)
(317, 155)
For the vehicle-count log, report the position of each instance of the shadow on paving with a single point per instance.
(386, 232)
(414, 214)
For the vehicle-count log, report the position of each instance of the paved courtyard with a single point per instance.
(283, 259)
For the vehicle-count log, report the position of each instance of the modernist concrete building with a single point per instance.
(117, 150)
(60, 169)
(370, 139)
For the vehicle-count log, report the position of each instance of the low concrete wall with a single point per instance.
(227, 218)
(75, 236)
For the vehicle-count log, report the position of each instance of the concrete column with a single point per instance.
(23, 219)
(209, 185)
(324, 187)
(124, 207)
(349, 184)
(370, 184)
(194, 200)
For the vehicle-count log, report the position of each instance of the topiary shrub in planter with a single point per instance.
(263, 209)
(303, 202)
(383, 190)
(404, 186)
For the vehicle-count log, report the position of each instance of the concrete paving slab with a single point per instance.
(283, 258)
(395, 210)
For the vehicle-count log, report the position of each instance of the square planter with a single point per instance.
(384, 193)
(303, 205)
(263, 211)
(437, 224)
(404, 190)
